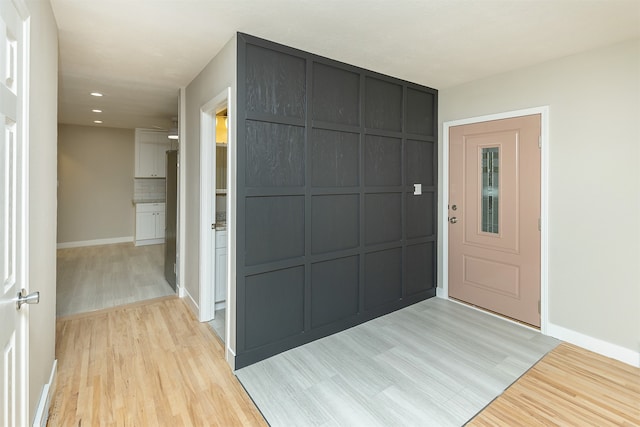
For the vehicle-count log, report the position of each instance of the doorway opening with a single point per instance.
(220, 275)
(215, 211)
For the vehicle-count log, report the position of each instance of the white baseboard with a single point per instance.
(231, 358)
(220, 305)
(96, 242)
(149, 242)
(181, 292)
(42, 411)
(193, 305)
(440, 293)
(596, 345)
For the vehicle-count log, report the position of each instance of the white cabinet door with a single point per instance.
(145, 225)
(221, 274)
(150, 222)
(221, 267)
(160, 225)
(146, 159)
(161, 159)
(150, 154)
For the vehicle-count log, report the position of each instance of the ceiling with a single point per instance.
(139, 52)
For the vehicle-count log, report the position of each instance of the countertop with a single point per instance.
(136, 201)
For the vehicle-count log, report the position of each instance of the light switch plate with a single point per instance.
(417, 189)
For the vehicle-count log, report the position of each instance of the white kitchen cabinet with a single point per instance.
(150, 223)
(150, 153)
(221, 270)
(160, 224)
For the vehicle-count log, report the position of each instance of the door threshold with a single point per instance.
(495, 314)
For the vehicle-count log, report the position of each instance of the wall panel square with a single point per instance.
(335, 158)
(420, 215)
(420, 112)
(382, 161)
(383, 278)
(275, 83)
(336, 95)
(275, 155)
(335, 222)
(420, 268)
(383, 218)
(274, 228)
(420, 165)
(274, 306)
(334, 290)
(383, 105)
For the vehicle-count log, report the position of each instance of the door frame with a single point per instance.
(443, 292)
(207, 197)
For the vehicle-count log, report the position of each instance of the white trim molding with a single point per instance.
(42, 410)
(207, 202)
(596, 345)
(443, 291)
(96, 242)
(191, 303)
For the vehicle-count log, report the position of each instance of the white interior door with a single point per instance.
(13, 213)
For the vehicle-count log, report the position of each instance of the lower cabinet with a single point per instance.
(221, 270)
(150, 223)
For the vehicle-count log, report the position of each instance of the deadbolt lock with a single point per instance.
(454, 207)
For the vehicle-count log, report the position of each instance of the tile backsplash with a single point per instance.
(151, 189)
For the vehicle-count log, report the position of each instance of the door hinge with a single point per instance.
(539, 224)
(540, 141)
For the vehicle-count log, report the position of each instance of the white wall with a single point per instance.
(43, 117)
(95, 183)
(594, 183)
(218, 75)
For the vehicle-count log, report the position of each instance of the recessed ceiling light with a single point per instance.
(97, 121)
(97, 111)
(96, 94)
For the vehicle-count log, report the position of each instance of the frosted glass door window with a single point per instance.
(490, 189)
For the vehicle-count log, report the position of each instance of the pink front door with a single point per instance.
(494, 208)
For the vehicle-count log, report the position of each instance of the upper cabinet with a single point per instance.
(151, 148)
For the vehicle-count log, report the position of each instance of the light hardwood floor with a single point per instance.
(153, 363)
(147, 364)
(97, 277)
(569, 387)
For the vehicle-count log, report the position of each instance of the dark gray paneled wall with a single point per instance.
(330, 233)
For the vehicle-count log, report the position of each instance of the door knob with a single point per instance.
(33, 298)
(453, 220)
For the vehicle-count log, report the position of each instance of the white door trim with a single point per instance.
(544, 202)
(182, 205)
(207, 199)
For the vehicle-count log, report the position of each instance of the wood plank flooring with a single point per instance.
(569, 387)
(153, 363)
(433, 363)
(149, 364)
(97, 277)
